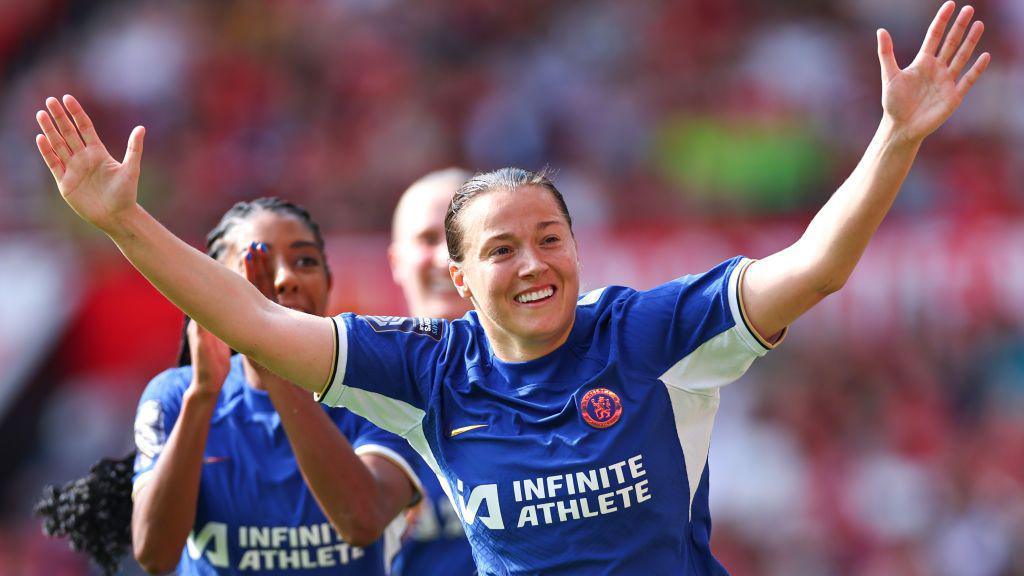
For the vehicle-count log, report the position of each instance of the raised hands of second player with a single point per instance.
(920, 97)
(96, 186)
(211, 360)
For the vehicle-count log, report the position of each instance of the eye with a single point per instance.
(307, 262)
(499, 252)
(552, 239)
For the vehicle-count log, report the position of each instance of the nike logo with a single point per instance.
(464, 429)
(214, 459)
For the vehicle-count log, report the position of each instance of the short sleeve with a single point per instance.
(692, 332)
(385, 368)
(155, 417)
(370, 439)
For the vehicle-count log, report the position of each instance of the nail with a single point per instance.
(248, 255)
(263, 247)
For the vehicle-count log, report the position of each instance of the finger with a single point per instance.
(57, 143)
(82, 121)
(261, 269)
(965, 83)
(64, 124)
(937, 28)
(963, 55)
(956, 33)
(50, 157)
(248, 264)
(886, 56)
(133, 154)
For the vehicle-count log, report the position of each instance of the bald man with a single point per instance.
(435, 543)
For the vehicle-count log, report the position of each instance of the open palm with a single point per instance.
(919, 98)
(95, 185)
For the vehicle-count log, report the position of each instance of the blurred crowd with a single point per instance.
(902, 454)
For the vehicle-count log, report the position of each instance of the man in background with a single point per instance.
(435, 543)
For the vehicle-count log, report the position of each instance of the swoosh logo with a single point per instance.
(214, 459)
(465, 429)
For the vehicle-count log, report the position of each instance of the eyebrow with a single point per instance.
(296, 244)
(507, 235)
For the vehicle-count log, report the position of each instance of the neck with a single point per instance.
(511, 349)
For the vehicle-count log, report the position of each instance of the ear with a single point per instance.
(459, 279)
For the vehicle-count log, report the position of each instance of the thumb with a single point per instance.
(886, 57)
(133, 155)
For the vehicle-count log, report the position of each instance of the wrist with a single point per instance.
(124, 225)
(201, 396)
(893, 134)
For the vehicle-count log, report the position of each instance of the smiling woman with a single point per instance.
(514, 255)
(571, 435)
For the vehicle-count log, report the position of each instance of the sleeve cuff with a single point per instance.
(140, 482)
(333, 389)
(756, 342)
(396, 459)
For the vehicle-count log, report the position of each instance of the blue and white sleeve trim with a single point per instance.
(334, 388)
(757, 343)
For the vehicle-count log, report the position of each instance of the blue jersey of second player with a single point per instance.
(435, 543)
(255, 513)
(589, 460)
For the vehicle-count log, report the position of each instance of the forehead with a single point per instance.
(270, 227)
(506, 211)
(424, 208)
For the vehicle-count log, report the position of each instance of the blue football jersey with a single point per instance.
(589, 460)
(255, 513)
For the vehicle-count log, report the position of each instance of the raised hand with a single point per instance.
(920, 97)
(96, 186)
(257, 271)
(211, 360)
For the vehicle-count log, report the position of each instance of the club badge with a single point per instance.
(601, 407)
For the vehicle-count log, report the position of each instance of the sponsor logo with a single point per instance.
(215, 459)
(271, 548)
(213, 536)
(465, 429)
(470, 510)
(562, 497)
(424, 326)
(601, 407)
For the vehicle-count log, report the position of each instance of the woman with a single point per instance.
(226, 449)
(572, 435)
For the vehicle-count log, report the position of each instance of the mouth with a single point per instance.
(441, 285)
(296, 306)
(535, 296)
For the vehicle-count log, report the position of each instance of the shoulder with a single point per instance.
(169, 384)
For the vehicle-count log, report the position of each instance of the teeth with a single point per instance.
(534, 296)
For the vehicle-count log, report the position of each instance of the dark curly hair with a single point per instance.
(94, 512)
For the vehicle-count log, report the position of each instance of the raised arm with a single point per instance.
(359, 493)
(916, 101)
(103, 191)
(164, 508)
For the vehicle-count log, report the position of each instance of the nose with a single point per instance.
(285, 279)
(532, 263)
(440, 256)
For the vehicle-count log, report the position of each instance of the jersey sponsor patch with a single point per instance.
(424, 326)
(601, 407)
(150, 434)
